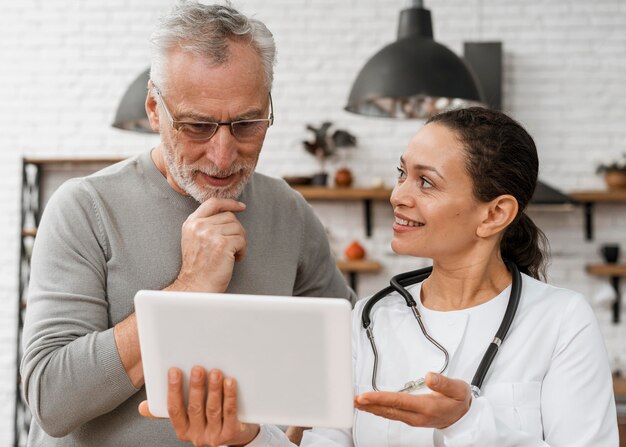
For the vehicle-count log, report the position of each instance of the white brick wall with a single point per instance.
(65, 64)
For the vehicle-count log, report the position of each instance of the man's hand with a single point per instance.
(210, 418)
(448, 402)
(212, 241)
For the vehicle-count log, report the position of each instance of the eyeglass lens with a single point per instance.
(242, 130)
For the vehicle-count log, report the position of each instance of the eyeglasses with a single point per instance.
(198, 130)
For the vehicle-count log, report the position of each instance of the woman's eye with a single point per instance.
(401, 174)
(425, 182)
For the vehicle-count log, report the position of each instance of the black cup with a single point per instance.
(610, 253)
(320, 179)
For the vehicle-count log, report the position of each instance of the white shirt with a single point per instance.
(549, 385)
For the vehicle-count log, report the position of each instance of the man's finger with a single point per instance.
(214, 206)
(228, 229)
(197, 399)
(214, 403)
(233, 428)
(240, 247)
(222, 218)
(230, 402)
(452, 388)
(176, 401)
(144, 410)
(295, 434)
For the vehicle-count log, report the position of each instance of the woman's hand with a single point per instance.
(448, 402)
(210, 418)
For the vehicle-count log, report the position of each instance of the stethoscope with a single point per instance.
(399, 283)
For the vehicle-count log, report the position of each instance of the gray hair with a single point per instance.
(205, 30)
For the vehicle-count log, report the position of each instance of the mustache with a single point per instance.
(214, 171)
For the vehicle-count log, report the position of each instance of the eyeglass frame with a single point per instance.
(176, 124)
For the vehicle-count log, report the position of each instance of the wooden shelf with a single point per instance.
(322, 193)
(74, 161)
(591, 197)
(599, 196)
(551, 208)
(367, 195)
(362, 266)
(353, 268)
(29, 232)
(608, 270)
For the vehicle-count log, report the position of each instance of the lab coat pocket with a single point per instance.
(518, 404)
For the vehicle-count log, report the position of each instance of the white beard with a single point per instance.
(184, 176)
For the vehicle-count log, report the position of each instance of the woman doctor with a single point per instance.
(463, 186)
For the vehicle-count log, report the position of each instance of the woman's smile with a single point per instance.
(403, 224)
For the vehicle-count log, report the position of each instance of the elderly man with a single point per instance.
(191, 215)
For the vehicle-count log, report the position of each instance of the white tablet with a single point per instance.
(291, 356)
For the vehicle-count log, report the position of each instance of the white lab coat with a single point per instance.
(549, 385)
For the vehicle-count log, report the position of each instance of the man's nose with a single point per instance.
(222, 149)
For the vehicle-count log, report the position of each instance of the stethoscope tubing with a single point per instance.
(399, 283)
(505, 325)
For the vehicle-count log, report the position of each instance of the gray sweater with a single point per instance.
(106, 236)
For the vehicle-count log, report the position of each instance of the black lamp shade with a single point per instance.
(413, 77)
(131, 113)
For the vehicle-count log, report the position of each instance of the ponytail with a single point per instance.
(526, 245)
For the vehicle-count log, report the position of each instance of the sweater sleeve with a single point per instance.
(318, 274)
(71, 368)
(577, 402)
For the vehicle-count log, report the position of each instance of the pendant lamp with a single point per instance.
(414, 77)
(131, 113)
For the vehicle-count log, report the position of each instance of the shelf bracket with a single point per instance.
(617, 303)
(588, 220)
(368, 217)
(352, 279)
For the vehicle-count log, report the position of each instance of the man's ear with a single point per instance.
(501, 211)
(152, 108)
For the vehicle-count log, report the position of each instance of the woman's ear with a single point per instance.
(152, 108)
(501, 211)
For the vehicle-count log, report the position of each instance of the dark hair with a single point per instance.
(502, 159)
